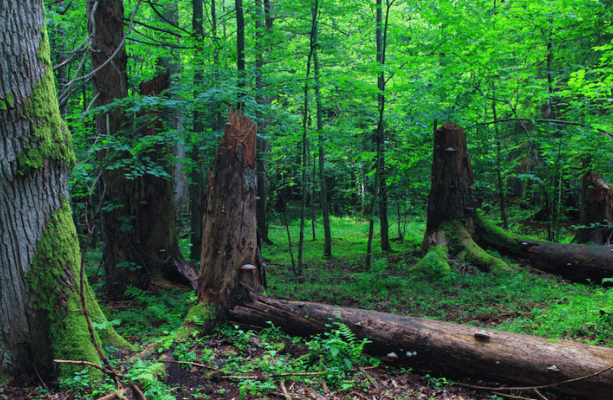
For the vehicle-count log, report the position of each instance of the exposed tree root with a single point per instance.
(453, 240)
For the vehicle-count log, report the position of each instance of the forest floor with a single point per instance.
(239, 363)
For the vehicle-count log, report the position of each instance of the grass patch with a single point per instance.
(521, 302)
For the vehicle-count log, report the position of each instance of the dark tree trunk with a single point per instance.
(577, 262)
(156, 223)
(450, 196)
(445, 348)
(230, 254)
(240, 52)
(123, 265)
(450, 226)
(262, 144)
(174, 122)
(573, 261)
(196, 187)
(596, 209)
(41, 314)
(323, 189)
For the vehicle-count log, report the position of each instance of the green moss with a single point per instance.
(159, 371)
(50, 139)
(54, 278)
(495, 237)
(200, 317)
(435, 262)
(471, 253)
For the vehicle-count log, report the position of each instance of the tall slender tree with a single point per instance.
(263, 26)
(379, 197)
(304, 143)
(323, 190)
(240, 53)
(196, 187)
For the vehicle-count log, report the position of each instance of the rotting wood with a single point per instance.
(230, 254)
(441, 347)
(573, 261)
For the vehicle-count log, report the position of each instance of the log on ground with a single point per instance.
(574, 261)
(446, 348)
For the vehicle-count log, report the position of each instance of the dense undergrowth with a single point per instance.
(237, 363)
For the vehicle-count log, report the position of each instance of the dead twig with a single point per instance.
(535, 388)
(195, 365)
(510, 396)
(137, 391)
(284, 390)
(91, 364)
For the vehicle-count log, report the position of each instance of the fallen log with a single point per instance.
(573, 261)
(578, 262)
(451, 349)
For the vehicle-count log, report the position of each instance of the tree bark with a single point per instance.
(573, 261)
(196, 188)
(596, 208)
(450, 228)
(40, 303)
(450, 196)
(229, 234)
(123, 264)
(446, 348)
(262, 144)
(156, 223)
(323, 190)
(240, 53)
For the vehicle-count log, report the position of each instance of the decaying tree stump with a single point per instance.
(446, 348)
(450, 226)
(596, 208)
(230, 254)
(450, 196)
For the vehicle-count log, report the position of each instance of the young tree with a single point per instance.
(380, 190)
(41, 313)
(323, 190)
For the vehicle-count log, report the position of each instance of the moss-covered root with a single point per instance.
(435, 262)
(490, 235)
(470, 252)
(200, 319)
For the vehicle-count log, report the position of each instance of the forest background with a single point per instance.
(530, 82)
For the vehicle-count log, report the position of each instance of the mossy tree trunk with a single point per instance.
(450, 226)
(124, 266)
(230, 254)
(41, 316)
(596, 209)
